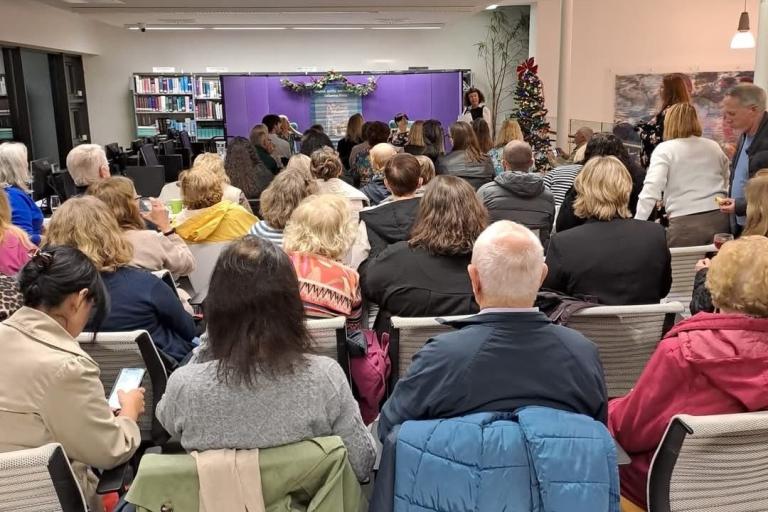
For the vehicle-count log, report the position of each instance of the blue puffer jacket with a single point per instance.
(534, 460)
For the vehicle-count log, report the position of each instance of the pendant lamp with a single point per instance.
(743, 38)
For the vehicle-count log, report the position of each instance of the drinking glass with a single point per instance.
(721, 238)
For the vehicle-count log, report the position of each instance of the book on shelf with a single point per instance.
(209, 132)
(161, 85)
(209, 110)
(207, 88)
(3, 90)
(148, 128)
(164, 104)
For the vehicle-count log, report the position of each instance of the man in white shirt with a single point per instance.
(282, 150)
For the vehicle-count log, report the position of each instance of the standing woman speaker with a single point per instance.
(474, 107)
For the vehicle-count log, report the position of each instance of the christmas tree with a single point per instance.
(531, 114)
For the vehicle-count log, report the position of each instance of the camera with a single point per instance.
(143, 27)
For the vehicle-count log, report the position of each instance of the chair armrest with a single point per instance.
(115, 479)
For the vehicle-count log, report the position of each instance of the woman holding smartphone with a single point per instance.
(50, 390)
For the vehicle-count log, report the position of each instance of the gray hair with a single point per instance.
(84, 162)
(14, 169)
(749, 95)
(509, 259)
(518, 155)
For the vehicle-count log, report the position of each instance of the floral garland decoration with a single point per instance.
(332, 76)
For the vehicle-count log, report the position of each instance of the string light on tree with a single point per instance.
(531, 114)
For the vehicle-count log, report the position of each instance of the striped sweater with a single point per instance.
(560, 180)
(265, 231)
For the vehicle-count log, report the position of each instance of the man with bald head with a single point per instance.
(509, 355)
(519, 195)
(580, 138)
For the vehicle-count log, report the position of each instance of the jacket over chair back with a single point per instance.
(713, 463)
(114, 351)
(626, 337)
(39, 479)
(684, 271)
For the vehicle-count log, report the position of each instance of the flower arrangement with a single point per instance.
(332, 76)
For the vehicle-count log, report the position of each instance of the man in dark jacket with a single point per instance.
(391, 221)
(519, 195)
(744, 110)
(509, 355)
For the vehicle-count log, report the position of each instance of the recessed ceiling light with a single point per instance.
(491, 7)
(168, 28)
(328, 28)
(406, 28)
(248, 28)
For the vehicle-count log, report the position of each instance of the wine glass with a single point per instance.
(54, 203)
(721, 238)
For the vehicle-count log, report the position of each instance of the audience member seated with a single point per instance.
(510, 130)
(314, 140)
(602, 144)
(375, 190)
(434, 140)
(255, 383)
(612, 257)
(400, 135)
(360, 163)
(427, 275)
(206, 216)
(288, 133)
(319, 233)
(282, 150)
(327, 168)
(508, 356)
(245, 169)
(483, 134)
(282, 196)
(14, 176)
(416, 144)
(15, 246)
(689, 173)
(756, 195)
(361, 146)
(265, 151)
(10, 297)
(208, 162)
(57, 396)
(466, 160)
(560, 180)
(580, 138)
(87, 164)
(301, 163)
(518, 194)
(353, 137)
(152, 250)
(391, 222)
(712, 363)
(139, 300)
(427, 173)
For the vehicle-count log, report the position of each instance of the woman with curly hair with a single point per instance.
(427, 275)
(245, 169)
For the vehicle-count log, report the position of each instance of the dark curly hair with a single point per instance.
(245, 169)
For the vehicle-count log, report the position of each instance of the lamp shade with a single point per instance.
(743, 38)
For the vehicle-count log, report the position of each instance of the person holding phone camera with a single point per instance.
(49, 387)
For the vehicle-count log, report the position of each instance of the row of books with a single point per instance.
(208, 132)
(3, 91)
(164, 103)
(207, 87)
(158, 85)
(150, 127)
(209, 110)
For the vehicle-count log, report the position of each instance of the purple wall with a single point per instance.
(434, 95)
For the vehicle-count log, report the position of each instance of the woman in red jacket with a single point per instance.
(712, 363)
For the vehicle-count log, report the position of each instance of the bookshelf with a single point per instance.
(191, 102)
(6, 129)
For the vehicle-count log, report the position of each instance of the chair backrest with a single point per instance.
(148, 155)
(39, 479)
(148, 180)
(626, 337)
(114, 351)
(64, 185)
(409, 335)
(206, 255)
(683, 271)
(330, 335)
(711, 464)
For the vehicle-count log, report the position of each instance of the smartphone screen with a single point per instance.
(129, 379)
